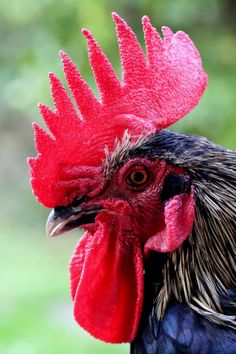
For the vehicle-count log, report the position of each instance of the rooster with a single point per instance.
(156, 265)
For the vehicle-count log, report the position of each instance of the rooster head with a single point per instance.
(95, 172)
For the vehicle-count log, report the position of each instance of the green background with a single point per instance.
(35, 306)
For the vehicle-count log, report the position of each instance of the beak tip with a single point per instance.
(51, 226)
(52, 230)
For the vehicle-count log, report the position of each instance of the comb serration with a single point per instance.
(157, 89)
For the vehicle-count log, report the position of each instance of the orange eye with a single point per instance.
(138, 177)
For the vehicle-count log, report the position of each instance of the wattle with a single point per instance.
(107, 283)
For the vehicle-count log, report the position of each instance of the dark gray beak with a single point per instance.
(63, 219)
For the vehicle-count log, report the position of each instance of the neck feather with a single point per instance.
(202, 272)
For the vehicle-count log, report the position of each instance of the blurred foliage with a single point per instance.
(35, 309)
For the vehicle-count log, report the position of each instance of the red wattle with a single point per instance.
(107, 284)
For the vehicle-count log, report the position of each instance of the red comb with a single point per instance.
(156, 91)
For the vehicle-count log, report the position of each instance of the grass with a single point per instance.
(35, 309)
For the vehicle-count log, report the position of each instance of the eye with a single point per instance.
(138, 178)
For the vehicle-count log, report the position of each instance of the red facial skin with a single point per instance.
(107, 266)
(140, 207)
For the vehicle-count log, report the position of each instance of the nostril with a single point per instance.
(78, 200)
(75, 203)
(59, 209)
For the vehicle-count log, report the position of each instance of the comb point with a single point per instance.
(119, 22)
(90, 38)
(67, 62)
(86, 32)
(115, 16)
(133, 65)
(167, 32)
(42, 107)
(63, 55)
(51, 75)
(145, 20)
(31, 161)
(106, 78)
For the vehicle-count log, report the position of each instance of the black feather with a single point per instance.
(183, 331)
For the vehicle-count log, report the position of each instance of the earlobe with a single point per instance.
(175, 183)
(179, 218)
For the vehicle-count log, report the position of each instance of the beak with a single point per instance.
(63, 219)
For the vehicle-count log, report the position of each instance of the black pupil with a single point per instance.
(138, 177)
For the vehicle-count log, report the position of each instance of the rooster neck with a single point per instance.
(203, 269)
